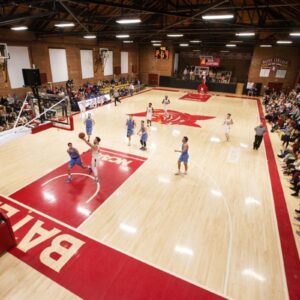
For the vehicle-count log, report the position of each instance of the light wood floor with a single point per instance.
(215, 227)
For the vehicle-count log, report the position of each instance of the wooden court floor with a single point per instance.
(215, 227)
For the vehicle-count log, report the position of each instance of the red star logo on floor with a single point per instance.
(174, 118)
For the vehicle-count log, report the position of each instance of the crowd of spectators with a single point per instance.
(9, 110)
(10, 105)
(208, 75)
(283, 114)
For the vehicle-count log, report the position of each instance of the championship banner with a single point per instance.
(274, 62)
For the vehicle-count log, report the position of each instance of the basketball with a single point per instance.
(81, 135)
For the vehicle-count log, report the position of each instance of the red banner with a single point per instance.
(210, 61)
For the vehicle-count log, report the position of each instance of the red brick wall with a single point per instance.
(150, 65)
(39, 56)
(285, 52)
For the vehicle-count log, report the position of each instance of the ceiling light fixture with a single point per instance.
(230, 45)
(218, 17)
(156, 45)
(245, 34)
(295, 34)
(127, 42)
(284, 42)
(183, 45)
(63, 25)
(195, 41)
(155, 41)
(19, 28)
(236, 42)
(89, 36)
(122, 36)
(129, 21)
(265, 46)
(175, 35)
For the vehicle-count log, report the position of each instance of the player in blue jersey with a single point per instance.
(184, 156)
(74, 160)
(144, 136)
(89, 124)
(130, 124)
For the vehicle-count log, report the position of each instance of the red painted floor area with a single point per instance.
(72, 203)
(174, 118)
(87, 268)
(195, 97)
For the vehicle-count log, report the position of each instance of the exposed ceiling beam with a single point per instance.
(23, 17)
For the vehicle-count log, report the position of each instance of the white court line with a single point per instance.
(122, 155)
(63, 175)
(112, 247)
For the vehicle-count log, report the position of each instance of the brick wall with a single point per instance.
(150, 65)
(286, 52)
(39, 56)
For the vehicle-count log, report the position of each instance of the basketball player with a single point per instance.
(184, 156)
(74, 160)
(227, 123)
(89, 124)
(82, 104)
(130, 124)
(95, 156)
(144, 136)
(149, 114)
(166, 101)
(116, 96)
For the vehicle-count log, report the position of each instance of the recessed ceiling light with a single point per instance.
(122, 36)
(245, 34)
(62, 25)
(155, 41)
(195, 41)
(175, 35)
(230, 45)
(295, 34)
(265, 46)
(129, 21)
(184, 45)
(89, 36)
(156, 45)
(284, 42)
(19, 28)
(127, 42)
(218, 17)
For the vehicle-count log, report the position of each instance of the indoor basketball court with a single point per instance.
(149, 160)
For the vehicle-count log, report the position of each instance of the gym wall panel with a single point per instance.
(124, 62)
(87, 65)
(58, 64)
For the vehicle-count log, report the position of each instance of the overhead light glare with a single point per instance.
(218, 17)
(245, 34)
(19, 28)
(175, 35)
(64, 25)
(129, 21)
(89, 36)
(265, 46)
(122, 36)
(284, 42)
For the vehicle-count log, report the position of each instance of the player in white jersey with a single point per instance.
(166, 101)
(149, 114)
(95, 147)
(227, 123)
